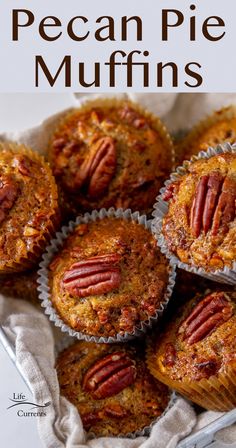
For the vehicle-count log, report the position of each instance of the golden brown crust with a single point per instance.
(197, 347)
(200, 225)
(28, 207)
(110, 153)
(109, 277)
(131, 401)
(218, 128)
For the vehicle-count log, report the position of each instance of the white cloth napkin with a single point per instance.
(29, 330)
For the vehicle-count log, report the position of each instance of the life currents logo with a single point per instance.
(24, 407)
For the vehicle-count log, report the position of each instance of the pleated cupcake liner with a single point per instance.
(65, 343)
(216, 393)
(32, 256)
(226, 275)
(57, 243)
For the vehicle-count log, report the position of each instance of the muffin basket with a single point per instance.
(57, 243)
(203, 437)
(227, 275)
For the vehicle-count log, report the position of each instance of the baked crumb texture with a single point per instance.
(108, 278)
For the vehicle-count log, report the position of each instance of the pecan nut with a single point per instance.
(169, 356)
(109, 375)
(213, 207)
(95, 275)
(8, 195)
(206, 317)
(131, 116)
(97, 170)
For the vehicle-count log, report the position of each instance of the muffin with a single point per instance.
(111, 387)
(108, 279)
(21, 285)
(195, 354)
(28, 207)
(110, 153)
(199, 226)
(218, 128)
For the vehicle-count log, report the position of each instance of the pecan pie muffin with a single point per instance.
(200, 224)
(28, 207)
(109, 279)
(110, 153)
(218, 128)
(111, 387)
(195, 354)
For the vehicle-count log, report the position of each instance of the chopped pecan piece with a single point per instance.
(213, 206)
(23, 166)
(129, 316)
(97, 170)
(95, 275)
(110, 375)
(8, 195)
(209, 314)
(90, 418)
(170, 190)
(131, 116)
(208, 367)
(115, 411)
(170, 355)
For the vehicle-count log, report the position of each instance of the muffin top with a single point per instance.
(200, 225)
(217, 129)
(111, 387)
(112, 155)
(108, 277)
(28, 203)
(200, 341)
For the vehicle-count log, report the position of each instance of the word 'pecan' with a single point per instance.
(8, 195)
(109, 375)
(97, 170)
(214, 204)
(95, 275)
(209, 314)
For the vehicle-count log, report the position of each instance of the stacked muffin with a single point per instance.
(103, 278)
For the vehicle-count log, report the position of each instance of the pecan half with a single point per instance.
(97, 170)
(8, 195)
(213, 207)
(95, 275)
(109, 375)
(207, 316)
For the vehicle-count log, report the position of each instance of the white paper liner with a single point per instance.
(64, 343)
(57, 243)
(226, 275)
